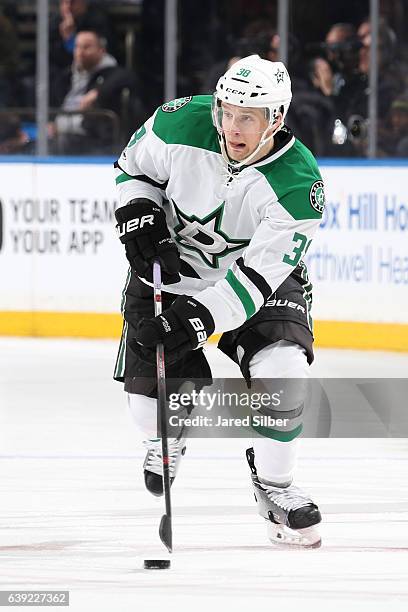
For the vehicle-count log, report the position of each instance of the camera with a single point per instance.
(351, 45)
(357, 127)
(342, 55)
(356, 130)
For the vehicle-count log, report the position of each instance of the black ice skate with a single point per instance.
(290, 513)
(152, 465)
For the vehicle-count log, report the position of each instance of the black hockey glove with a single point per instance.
(142, 228)
(184, 326)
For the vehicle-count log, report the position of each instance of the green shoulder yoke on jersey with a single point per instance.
(187, 121)
(296, 180)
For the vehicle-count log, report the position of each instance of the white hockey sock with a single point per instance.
(275, 461)
(144, 413)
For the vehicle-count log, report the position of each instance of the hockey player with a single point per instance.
(226, 197)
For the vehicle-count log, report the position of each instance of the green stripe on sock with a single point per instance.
(242, 294)
(122, 178)
(274, 434)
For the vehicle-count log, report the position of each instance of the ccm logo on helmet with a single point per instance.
(235, 91)
(134, 224)
(198, 327)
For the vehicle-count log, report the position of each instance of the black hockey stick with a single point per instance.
(165, 529)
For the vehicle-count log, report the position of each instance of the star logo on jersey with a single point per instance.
(279, 76)
(316, 196)
(175, 105)
(205, 237)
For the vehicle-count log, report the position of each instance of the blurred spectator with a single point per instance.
(321, 76)
(387, 46)
(335, 69)
(95, 81)
(349, 90)
(265, 41)
(321, 96)
(393, 138)
(215, 72)
(8, 61)
(13, 139)
(74, 16)
(257, 38)
(394, 13)
(342, 44)
(390, 82)
(312, 115)
(399, 125)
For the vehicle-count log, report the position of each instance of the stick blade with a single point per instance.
(165, 532)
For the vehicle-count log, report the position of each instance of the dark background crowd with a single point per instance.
(106, 69)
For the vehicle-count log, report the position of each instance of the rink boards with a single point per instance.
(62, 266)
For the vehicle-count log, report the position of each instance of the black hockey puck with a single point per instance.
(156, 563)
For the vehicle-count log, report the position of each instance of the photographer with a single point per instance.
(341, 46)
(350, 134)
(330, 82)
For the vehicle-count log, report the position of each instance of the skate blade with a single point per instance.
(300, 538)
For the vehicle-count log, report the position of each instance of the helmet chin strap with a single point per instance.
(262, 141)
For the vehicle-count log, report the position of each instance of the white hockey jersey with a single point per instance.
(239, 234)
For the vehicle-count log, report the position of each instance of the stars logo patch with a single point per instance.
(175, 105)
(316, 196)
(205, 237)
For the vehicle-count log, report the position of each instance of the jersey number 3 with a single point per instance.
(298, 250)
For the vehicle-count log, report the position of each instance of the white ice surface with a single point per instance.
(74, 513)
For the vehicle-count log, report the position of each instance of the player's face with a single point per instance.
(243, 128)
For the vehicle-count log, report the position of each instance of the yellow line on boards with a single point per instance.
(61, 324)
(361, 335)
(334, 334)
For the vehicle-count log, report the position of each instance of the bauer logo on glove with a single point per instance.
(183, 327)
(142, 228)
(134, 224)
(198, 326)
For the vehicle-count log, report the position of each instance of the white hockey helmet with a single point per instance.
(253, 82)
